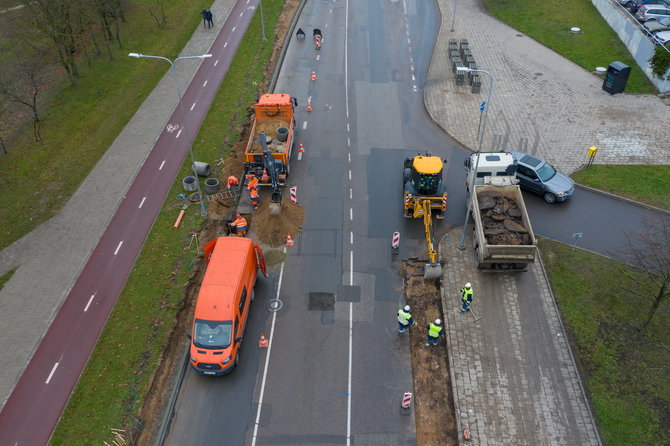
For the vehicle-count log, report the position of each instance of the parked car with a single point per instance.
(654, 26)
(537, 175)
(649, 12)
(662, 38)
(634, 5)
(625, 3)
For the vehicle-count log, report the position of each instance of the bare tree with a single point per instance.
(158, 14)
(648, 252)
(4, 111)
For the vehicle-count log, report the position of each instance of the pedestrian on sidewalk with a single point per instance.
(467, 294)
(233, 182)
(404, 319)
(207, 18)
(434, 332)
(254, 196)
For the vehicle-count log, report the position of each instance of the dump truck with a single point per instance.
(424, 195)
(274, 117)
(503, 237)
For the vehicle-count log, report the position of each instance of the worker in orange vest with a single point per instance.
(253, 183)
(254, 197)
(233, 181)
(240, 225)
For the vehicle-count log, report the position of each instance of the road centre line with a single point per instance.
(193, 106)
(348, 127)
(162, 164)
(348, 142)
(216, 62)
(351, 194)
(205, 83)
(141, 203)
(233, 30)
(267, 359)
(349, 156)
(349, 174)
(225, 44)
(118, 247)
(241, 13)
(351, 336)
(351, 214)
(89, 302)
(178, 133)
(318, 56)
(53, 370)
(351, 237)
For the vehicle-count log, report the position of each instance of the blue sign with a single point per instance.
(481, 107)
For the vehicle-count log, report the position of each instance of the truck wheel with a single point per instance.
(237, 357)
(549, 197)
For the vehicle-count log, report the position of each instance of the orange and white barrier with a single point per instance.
(309, 104)
(293, 192)
(313, 75)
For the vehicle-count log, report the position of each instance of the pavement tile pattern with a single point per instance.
(541, 103)
(514, 378)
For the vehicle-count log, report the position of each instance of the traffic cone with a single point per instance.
(289, 240)
(301, 149)
(309, 105)
(265, 178)
(313, 75)
(263, 342)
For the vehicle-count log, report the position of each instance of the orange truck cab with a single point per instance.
(223, 303)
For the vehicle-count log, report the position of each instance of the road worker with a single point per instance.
(240, 225)
(233, 182)
(404, 319)
(467, 294)
(253, 183)
(434, 332)
(254, 195)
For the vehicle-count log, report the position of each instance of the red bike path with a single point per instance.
(36, 403)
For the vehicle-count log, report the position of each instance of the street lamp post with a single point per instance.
(453, 16)
(262, 20)
(203, 212)
(487, 104)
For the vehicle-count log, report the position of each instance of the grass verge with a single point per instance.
(549, 23)
(625, 369)
(80, 123)
(117, 378)
(646, 184)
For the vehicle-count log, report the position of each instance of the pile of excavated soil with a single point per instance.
(434, 405)
(273, 229)
(501, 219)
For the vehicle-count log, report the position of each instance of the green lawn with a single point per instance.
(624, 368)
(549, 23)
(646, 184)
(116, 380)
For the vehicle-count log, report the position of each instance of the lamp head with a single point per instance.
(205, 56)
(463, 69)
(136, 55)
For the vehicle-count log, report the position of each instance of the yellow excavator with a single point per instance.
(424, 195)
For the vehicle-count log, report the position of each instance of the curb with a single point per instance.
(624, 199)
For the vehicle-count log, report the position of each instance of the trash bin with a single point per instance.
(616, 78)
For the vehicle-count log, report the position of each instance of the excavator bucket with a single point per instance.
(432, 271)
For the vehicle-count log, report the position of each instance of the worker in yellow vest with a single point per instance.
(467, 294)
(404, 319)
(434, 332)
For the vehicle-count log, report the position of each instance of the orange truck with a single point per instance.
(223, 303)
(274, 116)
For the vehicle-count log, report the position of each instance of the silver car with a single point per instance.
(654, 26)
(537, 175)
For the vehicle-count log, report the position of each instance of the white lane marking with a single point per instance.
(141, 203)
(241, 13)
(348, 142)
(178, 133)
(267, 359)
(234, 27)
(329, 12)
(299, 156)
(225, 44)
(192, 106)
(162, 164)
(89, 302)
(204, 85)
(351, 194)
(347, 127)
(351, 267)
(349, 156)
(304, 125)
(346, 64)
(118, 247)
(351, 340)
(349, 174)
(351, 238)
(351, 214)
(217, 61)
(318, 56)
(53, 370)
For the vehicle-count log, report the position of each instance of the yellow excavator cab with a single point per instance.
(427, 165)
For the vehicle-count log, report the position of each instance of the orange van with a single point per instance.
(223, 303)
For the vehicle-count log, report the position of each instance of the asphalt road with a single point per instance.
(33, 409)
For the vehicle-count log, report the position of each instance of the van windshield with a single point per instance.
(212, 335)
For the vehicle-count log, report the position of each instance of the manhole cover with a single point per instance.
(321, 301)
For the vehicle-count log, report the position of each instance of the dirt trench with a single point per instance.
(434, 404)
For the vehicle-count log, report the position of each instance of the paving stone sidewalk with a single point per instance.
(541, 102)
(50, 258)
(514, 377)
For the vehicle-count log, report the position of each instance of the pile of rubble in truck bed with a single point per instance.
(270, 129)
(501, 220)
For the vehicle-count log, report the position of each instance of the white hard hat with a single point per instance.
(438, 322)
(468, 285)
(406, 308)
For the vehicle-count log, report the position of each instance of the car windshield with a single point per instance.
(546, 172)
(212, 334)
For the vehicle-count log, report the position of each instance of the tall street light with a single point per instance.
(262, 20)
(203, 212)
(487, 104)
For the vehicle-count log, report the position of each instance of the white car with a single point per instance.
(662, 38)
(654, 26)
